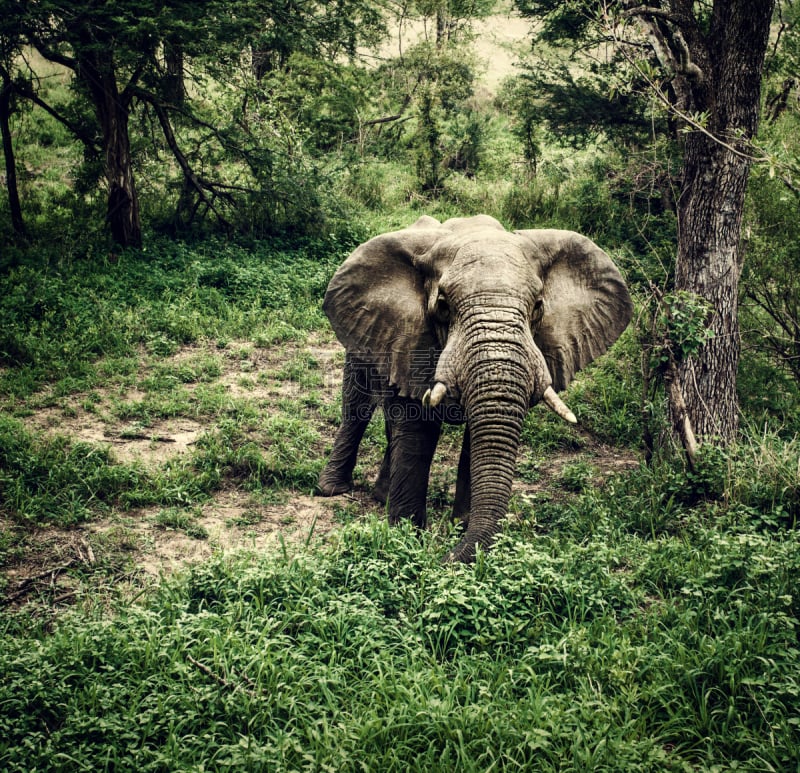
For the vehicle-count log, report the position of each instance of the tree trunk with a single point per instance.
(708, 264)
(710, 208)
(123, 202)
(112, 112)
(17, 223)
(173, 85)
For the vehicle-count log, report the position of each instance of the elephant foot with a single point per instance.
(380, 492)
(330, 485)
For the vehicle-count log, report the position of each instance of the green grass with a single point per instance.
(635, 654)
(77, 326)
(47, 480)
(180, 519)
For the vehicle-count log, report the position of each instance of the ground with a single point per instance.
(130, 549)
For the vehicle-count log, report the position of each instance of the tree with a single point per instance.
(125, 53)
(436, 77)
(131, 61)
(330, 30)
(108, 48)
(704, 61)
(10, 46)
(717, 64)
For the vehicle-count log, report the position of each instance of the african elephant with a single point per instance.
(463, 321)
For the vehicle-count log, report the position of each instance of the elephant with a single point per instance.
(463, 322)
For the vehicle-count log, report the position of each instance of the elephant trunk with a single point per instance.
(495, 413)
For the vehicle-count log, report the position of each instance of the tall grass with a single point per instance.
(637, 654)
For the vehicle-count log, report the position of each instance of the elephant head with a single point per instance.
(466, 315)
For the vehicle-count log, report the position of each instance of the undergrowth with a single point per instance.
(58, 322)
(626, 654)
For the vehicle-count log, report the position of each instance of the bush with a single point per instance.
(620, 654)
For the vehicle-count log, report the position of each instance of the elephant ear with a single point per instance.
(586, 302)
(376, 305)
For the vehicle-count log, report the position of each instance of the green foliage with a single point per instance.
(630, 654)
(752, 485)
(279, 456)
(316, 30)
(682, 323)
(53, 480)
(767, 393)
(56, 322)
(436, 79)
(771, 276)
(577, 476)
(623, 204)
(241, 145)
(575, 110)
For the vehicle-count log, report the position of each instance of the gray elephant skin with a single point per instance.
(463, 321)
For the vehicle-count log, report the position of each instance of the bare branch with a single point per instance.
(26, 90)
(52, 54)
(200, 186)
(660, 13)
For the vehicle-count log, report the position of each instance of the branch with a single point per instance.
(51, 54)
(791, 185)
(660, 13)
(251, 686)
(200, 185)
(680, 412)
(664, 99)
(386, 119)
(129, 91)
(25, 90)
(683, 424)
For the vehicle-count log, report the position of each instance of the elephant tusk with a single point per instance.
(432, 398)
(556, 404)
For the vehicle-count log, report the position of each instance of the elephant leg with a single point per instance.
(380, 491)
(461, 503)
(358, 406)
(414, 435)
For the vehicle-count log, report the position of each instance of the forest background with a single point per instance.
(182, 180)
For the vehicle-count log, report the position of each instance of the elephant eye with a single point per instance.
(538, 312)
(442, 309)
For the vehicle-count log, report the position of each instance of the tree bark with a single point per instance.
(17, 223)
(94, 66)
(112, 110)
(123, 201)
(173, 83)
(715, 174)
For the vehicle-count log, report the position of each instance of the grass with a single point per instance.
(53, 480)
(180, 519)
(77, 328)
(613, 654)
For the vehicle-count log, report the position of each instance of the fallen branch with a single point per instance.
(23, 588)
(221, 679)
